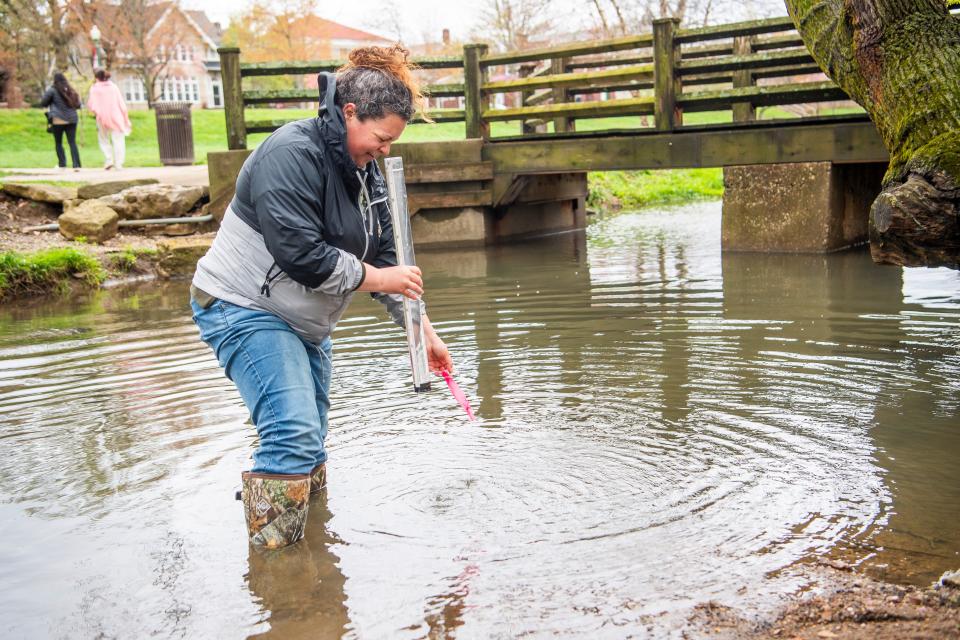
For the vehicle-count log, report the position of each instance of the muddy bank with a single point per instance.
(129, 256)
(841, 603)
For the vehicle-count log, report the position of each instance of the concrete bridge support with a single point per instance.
(545, 204)
(456, 197)
(801, 207)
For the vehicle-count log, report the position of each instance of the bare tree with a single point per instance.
(143, 41)
(634, 16)
(511, 25)
(387, 18)
(37, 37)
(676, 9)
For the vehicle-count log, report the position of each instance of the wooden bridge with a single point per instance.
(536, 120)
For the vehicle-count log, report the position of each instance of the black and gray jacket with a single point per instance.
(302, 222)
(58, 106)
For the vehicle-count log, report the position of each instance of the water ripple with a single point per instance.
(659, 425)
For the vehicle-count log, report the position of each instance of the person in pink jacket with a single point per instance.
(113, 123)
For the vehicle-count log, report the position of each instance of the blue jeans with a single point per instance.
(283, 379)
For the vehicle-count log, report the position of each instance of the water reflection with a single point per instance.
(850, 325)
(300, 589)
(659, 426)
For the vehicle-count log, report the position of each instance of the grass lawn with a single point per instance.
(26, 143)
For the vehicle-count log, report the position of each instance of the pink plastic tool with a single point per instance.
(458, 394)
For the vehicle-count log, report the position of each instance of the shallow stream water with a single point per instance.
(659, 426)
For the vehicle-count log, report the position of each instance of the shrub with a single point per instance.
(46, 271)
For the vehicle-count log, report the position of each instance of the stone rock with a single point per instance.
(91, 219)
(950, 579)
(101, 189)
(178, 256)
(40, 192)
(70, 204)
(154, 201)
(171, 230)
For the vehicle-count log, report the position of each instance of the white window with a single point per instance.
(168, 89)
(133, 90)
(216, 92)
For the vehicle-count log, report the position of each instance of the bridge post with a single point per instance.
(473, 78)
(743, 111)
(233, 97)
(666, 87)
(558, 66)
(798, 207)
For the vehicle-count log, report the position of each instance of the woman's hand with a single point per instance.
(404, 280)
(408, 282)
(438, 357)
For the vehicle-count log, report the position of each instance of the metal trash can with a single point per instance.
(175, 132)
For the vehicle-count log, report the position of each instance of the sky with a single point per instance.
(424, 20)
(422, 16)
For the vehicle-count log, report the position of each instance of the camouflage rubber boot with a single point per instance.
(318, 478)
(275, 507)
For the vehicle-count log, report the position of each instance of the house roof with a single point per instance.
(108, 14)
(324, 29)
(197, 19)
(211, 29)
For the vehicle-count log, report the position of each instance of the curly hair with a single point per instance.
(380, 80)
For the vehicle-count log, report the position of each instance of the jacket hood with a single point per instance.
(333, 130)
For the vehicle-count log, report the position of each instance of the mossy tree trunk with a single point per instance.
(900, 59)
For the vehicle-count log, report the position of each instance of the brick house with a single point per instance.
(184, 45)
(187, 41)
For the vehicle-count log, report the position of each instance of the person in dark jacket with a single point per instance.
(63, 102)
(309, 226)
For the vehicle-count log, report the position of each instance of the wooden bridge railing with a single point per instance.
(666, 73)
(236, 99)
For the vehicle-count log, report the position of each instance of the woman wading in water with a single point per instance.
(308, 226)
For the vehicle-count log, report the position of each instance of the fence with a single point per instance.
(666, 73)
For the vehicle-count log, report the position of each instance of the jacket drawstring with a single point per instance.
(268, 280)
(365, 213)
